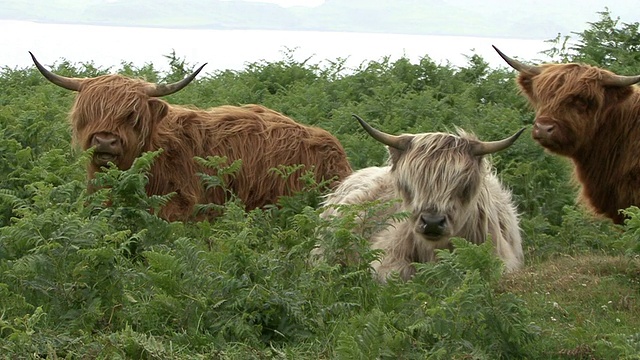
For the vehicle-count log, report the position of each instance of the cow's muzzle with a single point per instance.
(544, 128)
(108, 148)
(432, 226)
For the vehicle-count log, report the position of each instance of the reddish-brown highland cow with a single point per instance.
(123, 117)
(591, 116)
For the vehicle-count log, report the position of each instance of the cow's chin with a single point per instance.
(546, 143)
(103, 159)
(433, 237)
(556, 147)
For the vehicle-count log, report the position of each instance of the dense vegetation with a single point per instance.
(79, 279)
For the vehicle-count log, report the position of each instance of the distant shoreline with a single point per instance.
(111, 46)
(239, 28)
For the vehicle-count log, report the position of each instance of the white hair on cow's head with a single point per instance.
(447, 186)
(437, 178)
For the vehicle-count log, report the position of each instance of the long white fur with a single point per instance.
(434, 169)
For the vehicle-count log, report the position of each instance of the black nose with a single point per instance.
(433, 224)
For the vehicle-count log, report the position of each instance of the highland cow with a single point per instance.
(122, 117)
(591, 116)
(448, 188)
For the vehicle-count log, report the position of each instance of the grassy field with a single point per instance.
(83, 280)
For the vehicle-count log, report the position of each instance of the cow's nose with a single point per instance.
(105, 143)
(433, 223)
(544, 129)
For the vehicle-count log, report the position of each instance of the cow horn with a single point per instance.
(62, 81)
(521, 67)
(483, 148)
(168, 89)
(396, 142)
(620, 80)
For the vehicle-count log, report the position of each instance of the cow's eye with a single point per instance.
(580, 103)
(132, 119)
(465, 192)
(406, 192)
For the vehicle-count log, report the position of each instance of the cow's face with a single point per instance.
(113, 115)
(568, 100)
(572, 102)
(438, 178)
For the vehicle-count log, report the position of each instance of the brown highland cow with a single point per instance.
(122, 118)
(591, 116)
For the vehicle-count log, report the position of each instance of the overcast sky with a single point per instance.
(289, 3)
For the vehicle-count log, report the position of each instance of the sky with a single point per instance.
(290, 3)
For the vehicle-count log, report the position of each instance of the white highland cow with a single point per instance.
(449, 190)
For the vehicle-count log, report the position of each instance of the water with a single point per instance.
(108, 46)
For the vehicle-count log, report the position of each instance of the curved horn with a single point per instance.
(396, 142)
(521, 67)
(62, 81)
(620, 80)
(483, 148)
(168, 89)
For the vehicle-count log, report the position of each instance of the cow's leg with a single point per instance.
(179, 208)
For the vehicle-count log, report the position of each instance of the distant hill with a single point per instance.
(542, 19)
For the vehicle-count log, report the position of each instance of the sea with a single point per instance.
(110, 46)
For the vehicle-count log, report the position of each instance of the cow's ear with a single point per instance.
(526, 83)
(617, 94)
(158, 109)
(396, 152)
(394, 155)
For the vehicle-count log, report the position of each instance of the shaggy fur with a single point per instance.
(596, 126)
(262, 138)
(436, 173)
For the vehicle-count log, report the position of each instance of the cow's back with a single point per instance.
(264, 139)
(363, 185)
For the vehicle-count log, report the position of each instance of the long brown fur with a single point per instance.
(262, 138)
(598, 129)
